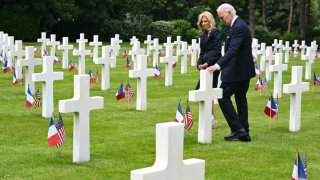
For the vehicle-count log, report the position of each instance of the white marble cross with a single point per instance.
(133, 39)
(303, 50)
(114, 52)
(280, 46)
(95, 43)
(47, 77)
(19, 53)
(7, 48)
(136, 50)
(309, 58)
(295, 88)
(184, 52)
(255, 47)
(43, 41)
(82, 53)
(178, 42)
(314, 47)
(168, 43)
(275, 45)
(295, 48)
(3, 42)
(117, 42)
(141, 73)
(268, 58)
(105, 60)
(29, 62)
(287, 50)
(169, 163)
(81, 104)
(194, 52)
(65, 47)
(205, 95)
(277, 68)
(262, 53)
(53, 43)
(156, 49)
(169, 59)
(148, 42)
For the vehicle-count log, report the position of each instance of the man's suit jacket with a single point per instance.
(237, 63)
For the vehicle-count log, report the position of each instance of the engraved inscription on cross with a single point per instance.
(81, 104)
(29, 62)
(106, 61)
(295, 88)
(205, 95)
(47, 76)
(169, 59)
(169, 164)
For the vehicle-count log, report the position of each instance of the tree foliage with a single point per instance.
(138, 17)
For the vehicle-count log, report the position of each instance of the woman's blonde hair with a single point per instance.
(210, 18)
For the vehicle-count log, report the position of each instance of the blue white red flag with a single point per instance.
(157, 72)
(298, 172)
(30, 100)
(53, 137)
(120, 93)
(258, 71)
(15, 80)
(71, 67)
(91, 76)
(6, 68)
(271, 108)
(128, 63)
(179, 115)
(316, 81)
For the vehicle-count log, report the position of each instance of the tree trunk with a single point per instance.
(290, 16)
(302, 19)
(264, 13)
(307, 11)
(252, 10)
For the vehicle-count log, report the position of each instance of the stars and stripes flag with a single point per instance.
(14, 80)
(30, 100)
(316, 81)
(298, 172)
(96, 77)
(60, 129)
(188, 119)
(128, 63)
(128, 92)
(71, 67)
(91, 76)
(6, 68)
(179, 115)
(53, 137)
(120, 93)
(37, 101)
(305, 165)
(264, 84)
(157, 72)
(271, 108)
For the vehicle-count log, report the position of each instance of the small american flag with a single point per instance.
(128, 92)
(61, 133)
(37, 102)
(188, 119)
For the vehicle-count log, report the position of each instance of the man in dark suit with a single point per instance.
(237, 68)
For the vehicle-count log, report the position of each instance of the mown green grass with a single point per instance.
(123, 139)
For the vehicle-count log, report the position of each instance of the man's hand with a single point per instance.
(212, 68)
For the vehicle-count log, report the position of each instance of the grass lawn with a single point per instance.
(123, 139)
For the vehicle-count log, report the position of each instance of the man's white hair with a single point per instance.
(227, 8)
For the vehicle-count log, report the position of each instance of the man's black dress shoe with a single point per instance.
(236, 135)
(246, 138)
